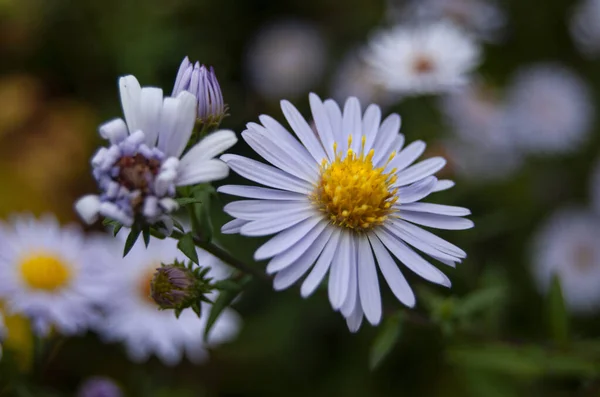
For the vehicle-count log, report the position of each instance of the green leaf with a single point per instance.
(558, 319)
(146, 235)
(226, 285)
(188, 247)
(515, 361)
(131, 239)
(116, 229)
(221, 303)
(385, 340)
(201, 222)
(479, 301)
(183, 201)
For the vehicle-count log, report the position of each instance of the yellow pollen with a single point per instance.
(352, 193)
(44, 271)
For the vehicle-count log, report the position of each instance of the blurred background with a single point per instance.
(58, 81)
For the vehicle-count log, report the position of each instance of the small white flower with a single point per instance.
(132, 317)
(567, 246)
(52, 275)
(484, 18)
(549, 108)
(343, 200)
(352, 78)
(139, 172)
(430, 58)
(286, 58)
(585, 27)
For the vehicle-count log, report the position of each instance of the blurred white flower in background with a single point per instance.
(567, 246)
(549, 108)
(482, 148)
(133, 318)
(99, 387)
(424, 59)
(52, 275)
(484, 18)
(595, 187)
(352, 78)
(585, 27)
(285, 59)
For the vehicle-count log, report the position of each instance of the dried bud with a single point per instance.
(173, 287)
(203, 84)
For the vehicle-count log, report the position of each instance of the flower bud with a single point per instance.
(173, 287)
(203, 84)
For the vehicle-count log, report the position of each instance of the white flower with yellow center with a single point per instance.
(136, 320)
(425, 59)
(343, 200)
(52, 275)
(567, 247)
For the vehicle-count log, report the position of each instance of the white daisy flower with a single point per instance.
(549, 108)
(352, 78)
(484, 18)
(139, 172)
(585, 27)
(343, 200)
(567, 246)
(430, 58)
(286, 58)
(595, 187)
(135, 319)
(52, 275)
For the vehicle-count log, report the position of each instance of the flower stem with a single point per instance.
(224, 256)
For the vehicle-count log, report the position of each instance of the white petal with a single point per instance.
(352, 123)
(443, 184)
(436, 209)
(201, 172)
(339, 276)
(279, 134)
(412, 260)
(370, 125)
(114, 130)
(233, 226)
(88, 207)
(320, 269)
(352, 294)
(417, 190)
(387, 139)
(431, 238)
(335, 118)
(277, 156)
(257, 192)
(408, 156)
(266, 174)
(368, 284)
(151, 100)
(437, 221)
(428, 249)
(209, 147)
(130, 101)
(419, 171)
(355, 319)
(275, 224)
(176, 123)
(303, 131)
(286, 239)
(322, 123)
(265, 209)
(306, 258)
(392, 274)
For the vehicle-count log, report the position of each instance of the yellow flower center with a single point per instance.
(43, 271)
(352, 192)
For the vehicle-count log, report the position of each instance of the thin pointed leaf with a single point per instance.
(188, 247)
(385, 340)
(223, 301)
(146, 235)
(183, 201)
(557, 313)
(131, 239)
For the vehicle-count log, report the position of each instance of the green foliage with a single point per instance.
(135, 232)
(386, 339)
(558, 320)
(187, 245)
(229, 291)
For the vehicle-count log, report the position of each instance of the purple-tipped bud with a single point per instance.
(99, 387)
(173, 287)
(203, 84)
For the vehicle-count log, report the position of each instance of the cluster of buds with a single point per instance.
(203, 84)
(179, 286)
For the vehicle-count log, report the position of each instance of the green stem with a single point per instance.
(224, 256)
